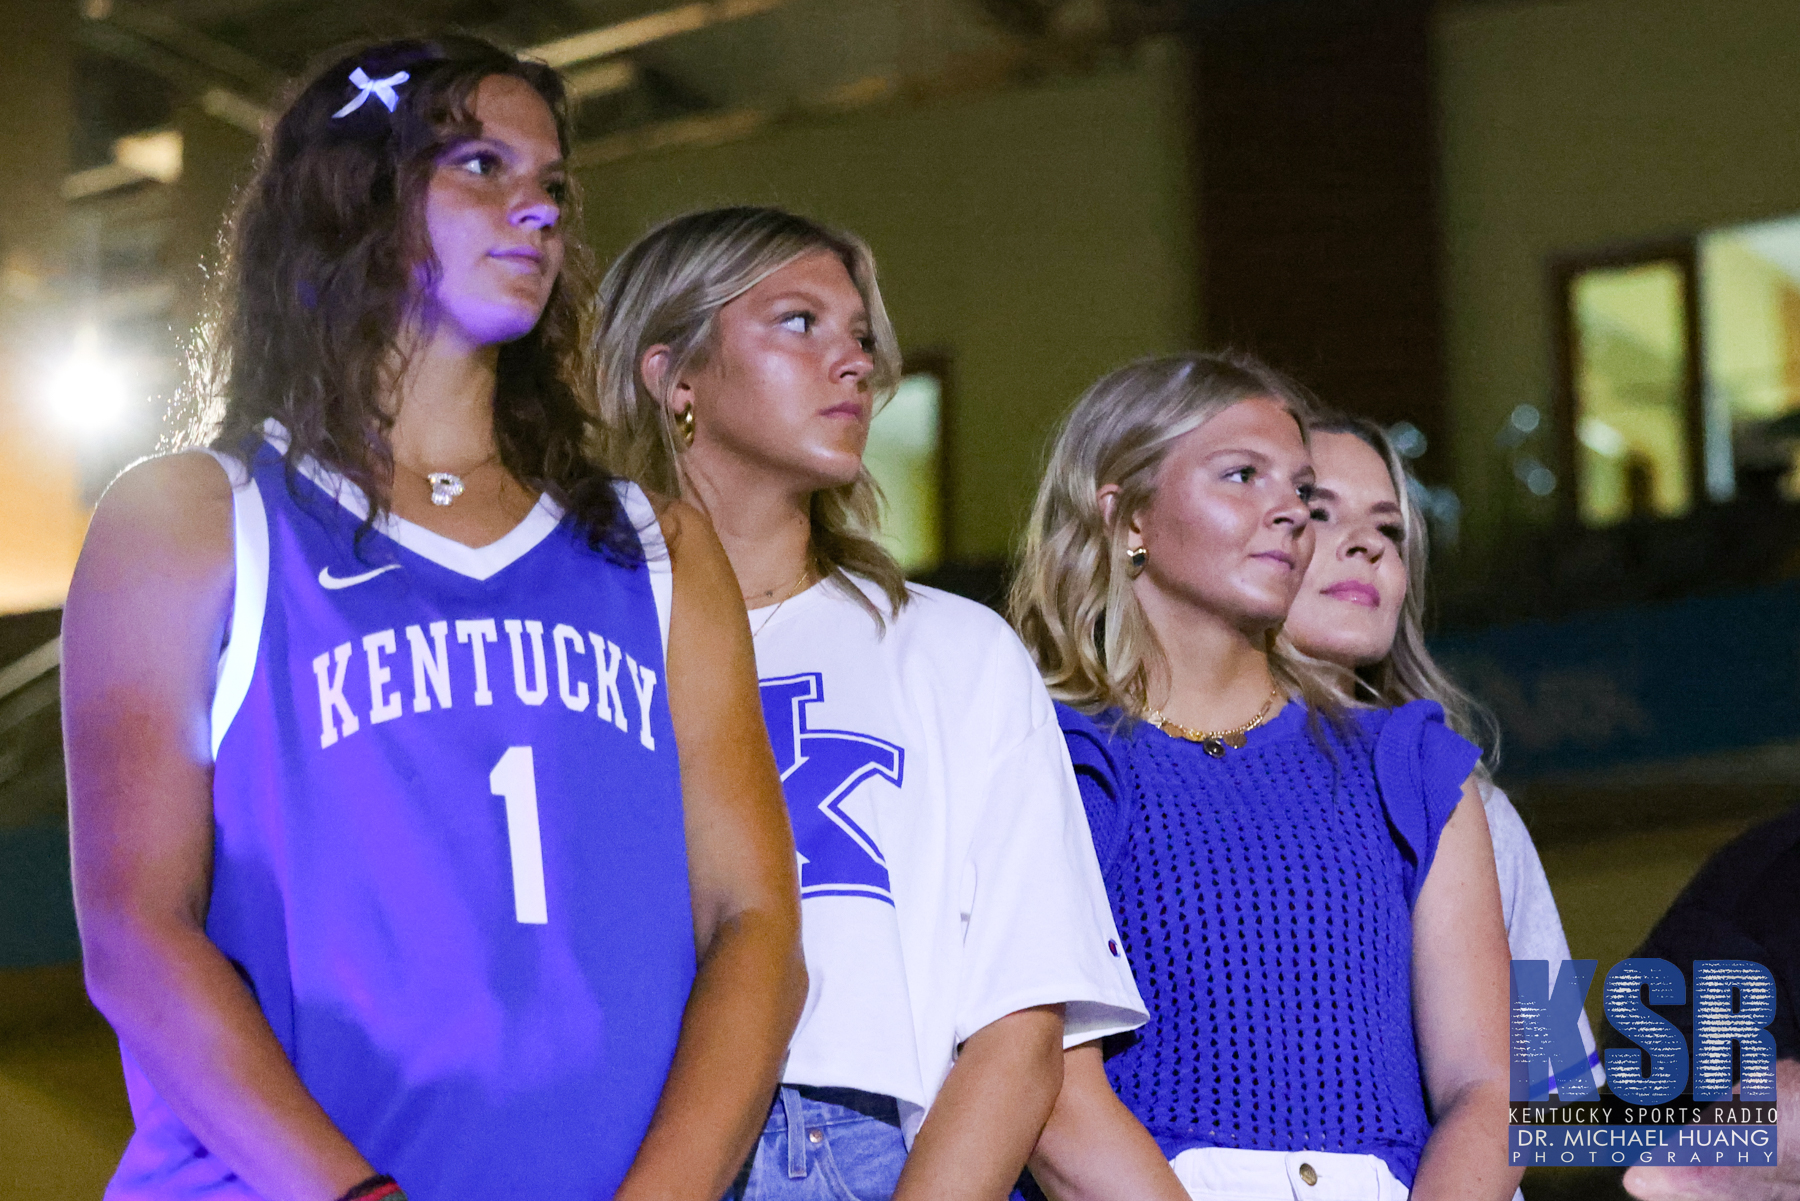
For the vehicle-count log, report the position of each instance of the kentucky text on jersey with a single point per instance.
(587, 671)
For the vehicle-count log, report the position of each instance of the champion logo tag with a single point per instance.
(327, 580)
(1112, 944)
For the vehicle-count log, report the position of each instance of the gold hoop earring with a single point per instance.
(684, 425)
(1137, 556)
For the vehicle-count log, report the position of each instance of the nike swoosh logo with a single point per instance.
(327, 580)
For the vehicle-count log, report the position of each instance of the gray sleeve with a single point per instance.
(1534, 929)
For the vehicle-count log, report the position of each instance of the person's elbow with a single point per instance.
(792, 980)
(127, 953)
(1479, 1091)
(1467, 1073)
(769, 929)
(110, 948)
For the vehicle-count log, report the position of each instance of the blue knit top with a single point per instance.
(1264, 899)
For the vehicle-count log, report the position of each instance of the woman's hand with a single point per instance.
(1460, 973)
(1093, 1149)
(1777, 1182)
(142, 632)
(743, 876)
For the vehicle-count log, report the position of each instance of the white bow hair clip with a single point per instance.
(381, 89)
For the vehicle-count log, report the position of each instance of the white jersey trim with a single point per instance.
(250, 595)
(476, 562)
(642, 515)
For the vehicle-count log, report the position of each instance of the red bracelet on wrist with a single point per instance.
(375, 1188)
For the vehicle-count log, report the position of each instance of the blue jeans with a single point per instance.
(825, 1144)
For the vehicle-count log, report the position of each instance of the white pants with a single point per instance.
(1231, 1174)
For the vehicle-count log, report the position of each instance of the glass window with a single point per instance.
(1750, 290)
(1629, 345)
(904, 455)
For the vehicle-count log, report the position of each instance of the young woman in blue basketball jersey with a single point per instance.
(1306, 890)
(424, 822)
(955, 930)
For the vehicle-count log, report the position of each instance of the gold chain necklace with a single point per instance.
(794, 589)
(1214, 742)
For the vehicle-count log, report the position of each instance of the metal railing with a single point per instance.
(31, 763)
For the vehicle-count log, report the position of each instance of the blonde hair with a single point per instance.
(1072, 601)
(667, 289)
(1408, 672)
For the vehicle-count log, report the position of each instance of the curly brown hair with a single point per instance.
(321, 260)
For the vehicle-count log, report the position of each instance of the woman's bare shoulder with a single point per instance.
(169, 516)
(151, 593)
(172, 484)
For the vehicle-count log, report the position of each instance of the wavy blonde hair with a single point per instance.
(667, 289)
(1408, 672)
(1072, 600)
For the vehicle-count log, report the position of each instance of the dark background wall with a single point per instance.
(1317, 201)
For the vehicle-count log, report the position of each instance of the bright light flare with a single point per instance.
(88, 393)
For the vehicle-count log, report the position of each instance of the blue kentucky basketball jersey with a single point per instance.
(449, 856)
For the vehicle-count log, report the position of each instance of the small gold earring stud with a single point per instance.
(684, 425)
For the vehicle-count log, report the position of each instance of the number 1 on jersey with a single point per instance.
(515, 779)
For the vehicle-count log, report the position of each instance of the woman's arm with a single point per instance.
(142, 631)
(743, 874)
(1093, 1148)
(990, 1111)
(1459, 979)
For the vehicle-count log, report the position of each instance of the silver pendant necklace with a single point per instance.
(445, 487)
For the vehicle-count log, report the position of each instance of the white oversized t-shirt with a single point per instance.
(947, 876)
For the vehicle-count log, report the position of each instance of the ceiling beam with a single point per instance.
(652, 27)
(201, 68)
(231, 85)
(602, 78)
(1004, 66)
(246, 71)
(229, 106)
